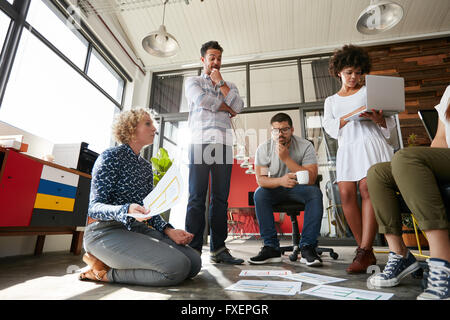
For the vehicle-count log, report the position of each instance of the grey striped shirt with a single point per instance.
(208, 125)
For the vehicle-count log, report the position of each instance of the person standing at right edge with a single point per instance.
(212, 102)
(361, 144)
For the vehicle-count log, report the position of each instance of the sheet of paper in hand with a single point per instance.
(165, 195)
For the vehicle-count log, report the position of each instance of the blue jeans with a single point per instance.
(310, 195)
(205, 161)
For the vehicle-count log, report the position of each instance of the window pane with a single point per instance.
(51, 100)
(274, 83)
(52, 25)
(176, 139)
(167, 88)
(184, 104)
(237, 75)
(170, 130)
(4, 26)
(100, 71)
(317, 82)
(169, 92)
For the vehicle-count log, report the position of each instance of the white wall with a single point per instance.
(137, 94)
(37, 146)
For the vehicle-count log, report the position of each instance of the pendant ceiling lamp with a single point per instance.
(379, 16)
(160, 43)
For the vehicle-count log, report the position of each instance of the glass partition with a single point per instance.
(274, 83)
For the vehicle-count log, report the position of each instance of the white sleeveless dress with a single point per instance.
(361, 144)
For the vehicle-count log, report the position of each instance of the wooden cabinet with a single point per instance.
(62, 198)
(34, 192)
(19, 181)
(42, 198)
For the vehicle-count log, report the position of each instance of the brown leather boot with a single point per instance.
(363, 259)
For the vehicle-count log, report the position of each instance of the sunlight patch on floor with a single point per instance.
(128, 294)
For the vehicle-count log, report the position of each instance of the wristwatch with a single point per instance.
(221, 83)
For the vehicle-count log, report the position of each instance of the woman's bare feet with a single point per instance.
(98, 269)
(92, 275)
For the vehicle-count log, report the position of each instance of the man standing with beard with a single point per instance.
(212, 102)
(277, 161)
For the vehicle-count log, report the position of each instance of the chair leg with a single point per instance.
(295, 231)
(417, 239)
(295, 239)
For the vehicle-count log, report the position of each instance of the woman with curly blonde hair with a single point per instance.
(120, 248)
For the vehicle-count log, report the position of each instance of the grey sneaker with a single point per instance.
(395, 270)
(438, 282)
(225, 257)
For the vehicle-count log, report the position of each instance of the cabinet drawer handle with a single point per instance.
(9, 177)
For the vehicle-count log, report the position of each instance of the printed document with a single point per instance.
(312, 278)
(341, 293)
(264, 273)
(165, 195)
(268, 287)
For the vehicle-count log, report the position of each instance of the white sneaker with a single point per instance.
(438, 282)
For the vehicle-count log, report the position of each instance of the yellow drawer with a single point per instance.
(45, 201)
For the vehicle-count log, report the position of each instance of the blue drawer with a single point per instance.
(56, 189)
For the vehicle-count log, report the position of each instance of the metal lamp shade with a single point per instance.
(160, 43)
(379, 16)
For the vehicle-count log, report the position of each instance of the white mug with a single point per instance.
(302, 177)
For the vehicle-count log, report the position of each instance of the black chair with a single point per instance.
(293, 209)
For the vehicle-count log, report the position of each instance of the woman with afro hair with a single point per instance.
(361, 144)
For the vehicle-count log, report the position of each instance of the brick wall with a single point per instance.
(425, 66)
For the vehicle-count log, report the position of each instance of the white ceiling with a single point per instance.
(251, 30)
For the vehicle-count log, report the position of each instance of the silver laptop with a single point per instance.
(383, 93)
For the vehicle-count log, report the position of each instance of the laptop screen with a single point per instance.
(430, 121)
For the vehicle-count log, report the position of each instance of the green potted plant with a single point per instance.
(161, 164)
(412, 140)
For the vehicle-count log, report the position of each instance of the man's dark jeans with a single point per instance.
(209, 163)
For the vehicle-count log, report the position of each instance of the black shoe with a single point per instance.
(310, 256)
(266, 255)
(225, 257)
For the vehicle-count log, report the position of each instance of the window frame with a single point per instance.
(250, 108)
(18, 13)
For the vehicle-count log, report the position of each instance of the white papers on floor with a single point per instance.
(165, 195)
(289, 288)
(341, 293)
(312, 278)
(264, 273)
